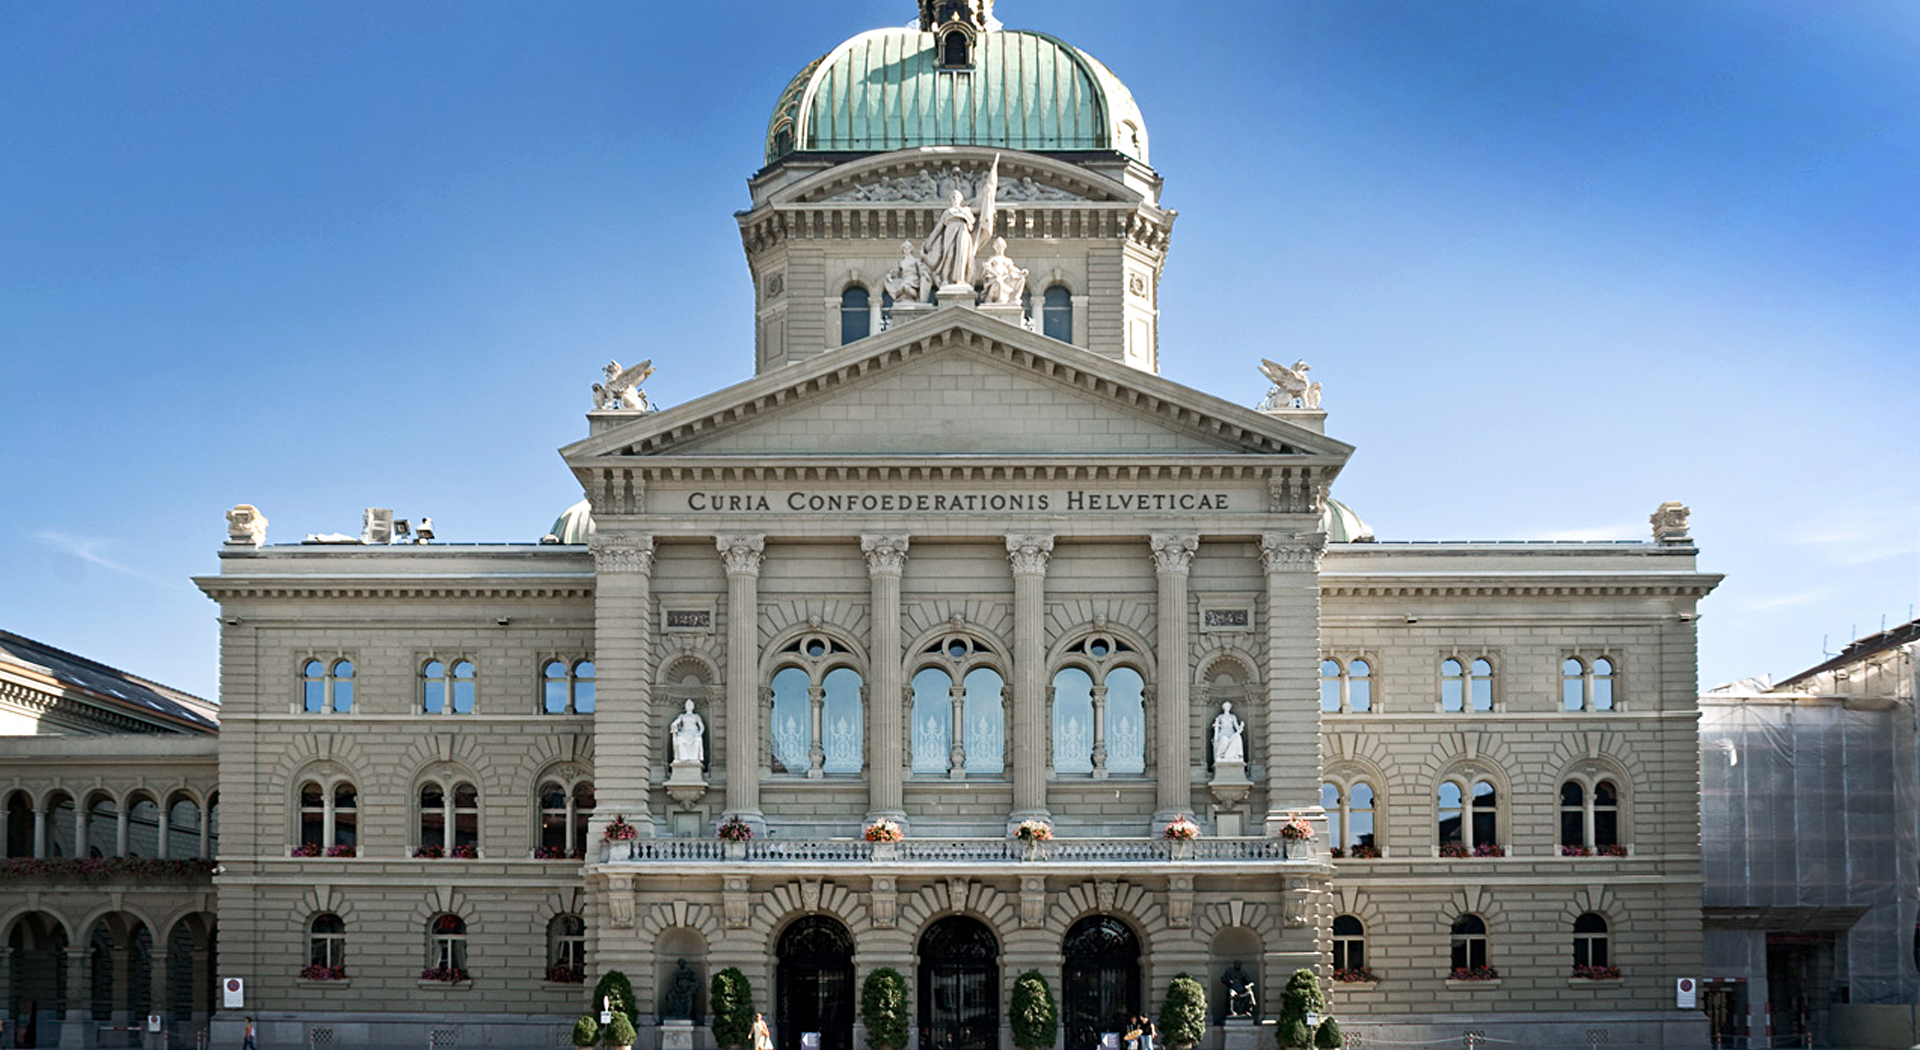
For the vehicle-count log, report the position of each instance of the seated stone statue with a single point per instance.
(678, 1002)
(1240, 998)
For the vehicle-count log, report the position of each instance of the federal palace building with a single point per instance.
(957, 560)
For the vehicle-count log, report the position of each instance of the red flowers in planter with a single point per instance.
(446, 974)
(307, 849)
(317, 972)
(1354, 975)
(1474, 973)
(1596, 973)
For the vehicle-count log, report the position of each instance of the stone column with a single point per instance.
(623, 679)
(886, 563)
(156, 994)
(1292, 564)
(39, 832)
(120, 830)
(742, 553)
(1028, 556)
(816, 725)
(1172, 556)
(73, 1029)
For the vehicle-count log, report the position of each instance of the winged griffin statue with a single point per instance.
(1291, 387)
(621, 391)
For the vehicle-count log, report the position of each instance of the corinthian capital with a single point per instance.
(741, 552)
(1029, 554)
(886, 555)
(1292, 551)
(1173, 551)
(617, 552)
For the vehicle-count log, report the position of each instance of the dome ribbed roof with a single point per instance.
(885, 90)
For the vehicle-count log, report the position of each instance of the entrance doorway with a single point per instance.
(1102, 979)
(813, 984)
(959, 986)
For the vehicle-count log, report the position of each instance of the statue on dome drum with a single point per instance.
(1003, 281)
(911, 279)
(960, 233)
(1291, 387)
(621, 391)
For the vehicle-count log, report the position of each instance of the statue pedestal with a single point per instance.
(685, 783)
(951, 295)
(1229, 785)
(908, 312)
(1012, 313)
(676, 1035)
(1243, 1033)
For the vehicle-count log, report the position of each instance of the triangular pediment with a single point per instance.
(956, 383)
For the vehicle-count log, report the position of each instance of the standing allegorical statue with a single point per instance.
(960, 232)
(1229, 735)
(688, 730)
(1004, 282)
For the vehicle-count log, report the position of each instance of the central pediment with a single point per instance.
(956, 383)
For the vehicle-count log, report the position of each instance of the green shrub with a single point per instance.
(586, 1031)
(1183, 1018)
(620, 1031)
(614, 985)
(883, 1009)
(1034, 1016)
(1301, 998)
(730, 1001)
(1328, 1036)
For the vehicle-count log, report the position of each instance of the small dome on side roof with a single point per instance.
(574, 524)
(1342, 525)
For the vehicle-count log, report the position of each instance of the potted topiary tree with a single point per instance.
(1328, 1037)
(883, 1009)
(614, 992)
(1034, 1016)
(1183, 1018)
(1301, 998)
(586, 1031)
(620, 1034)
(730, 1001)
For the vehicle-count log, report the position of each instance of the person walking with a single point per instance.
(762, 1039)
(1148, 1033)
(248, 1043)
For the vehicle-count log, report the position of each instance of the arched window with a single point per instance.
(446, 949)
(103, 826)
(816, 725)
(143, 827)
(1468, 819)
(1590, 958)
(567, 688)
(62, 827)
(1590, 818)
(856, 317)
(955, 50)
(326, 688)
(1586, 684)
(183, 828)
(329, 822)
(1466, 685)
(567, 949)
(564, 815)
(447, 689)
(1056, 314)
(1349, 808)
(449, 821)
(958, 709)
(1349, 949)
(1099, 710)
(326, 948)
(19, 825)
(1346, 685)
(1469, 944)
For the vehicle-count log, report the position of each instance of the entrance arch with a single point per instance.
(959, 986)
(1101, 979)
(813, 983)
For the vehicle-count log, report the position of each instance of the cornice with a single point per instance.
(959, 469)
(880, 221)
(40, 703)
(1599, 585)
(564, 587)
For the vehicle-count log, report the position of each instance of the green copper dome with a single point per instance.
(888, 89)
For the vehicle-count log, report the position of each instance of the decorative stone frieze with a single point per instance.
(1292, 552)
(619, 552)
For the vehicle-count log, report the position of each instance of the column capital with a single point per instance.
(741, 551)
(1292, 551)
(1173, 551)
(621, 552)
(886, 553)
(1029, 554)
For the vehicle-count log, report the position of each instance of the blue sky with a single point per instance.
(1555, 263)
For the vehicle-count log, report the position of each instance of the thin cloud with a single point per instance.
(87, 549)
(1785, 601)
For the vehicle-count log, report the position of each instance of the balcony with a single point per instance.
(1225, 855)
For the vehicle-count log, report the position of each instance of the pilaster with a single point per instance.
(1027, 556)
(623, 678)
(1292, 565)
(742, 553)
(886, 565)
(1172, 558)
